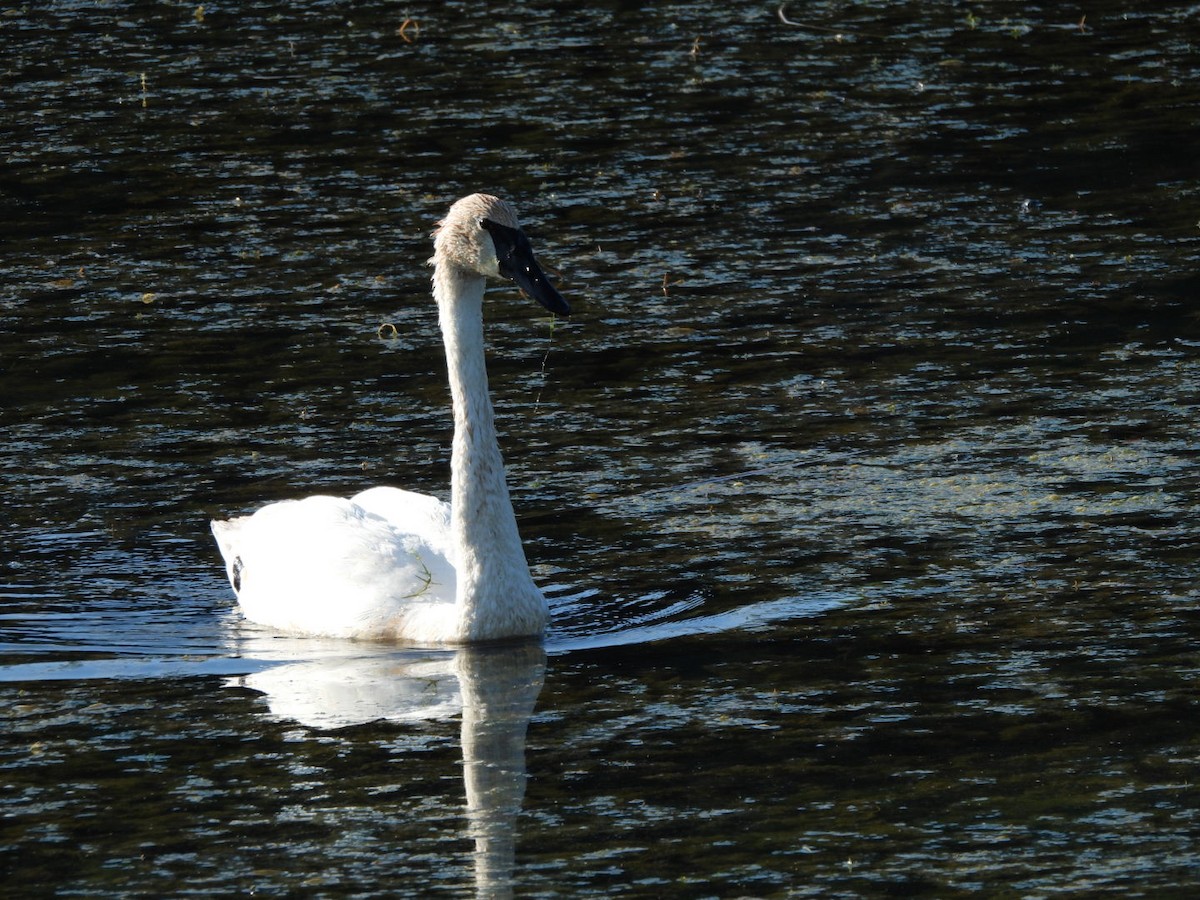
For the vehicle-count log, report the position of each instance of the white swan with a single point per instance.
(391, 564)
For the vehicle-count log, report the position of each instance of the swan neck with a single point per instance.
(460, 307)
(476, 468)
(492, 574)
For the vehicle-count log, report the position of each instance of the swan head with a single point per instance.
(481, 236)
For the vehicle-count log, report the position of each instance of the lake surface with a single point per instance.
(862, 480)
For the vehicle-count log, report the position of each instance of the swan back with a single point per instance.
(328, 566)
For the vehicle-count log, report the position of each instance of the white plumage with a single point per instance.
(392, 564)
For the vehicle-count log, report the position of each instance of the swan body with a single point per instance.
(392, 564)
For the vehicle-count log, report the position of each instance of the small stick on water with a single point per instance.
(782, 13)
(409, 24)
(550, 346)
(144, 90)
(557, 276)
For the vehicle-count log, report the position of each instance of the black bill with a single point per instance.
(515, 256)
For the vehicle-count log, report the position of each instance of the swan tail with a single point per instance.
(226, 533)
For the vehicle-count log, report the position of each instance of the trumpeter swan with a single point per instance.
(391, 564)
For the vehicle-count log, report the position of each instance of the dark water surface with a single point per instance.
(863, 479)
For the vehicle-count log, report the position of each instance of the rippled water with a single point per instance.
(862, 479)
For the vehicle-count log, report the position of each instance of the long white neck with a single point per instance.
(496, 596)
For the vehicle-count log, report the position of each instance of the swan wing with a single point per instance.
(410, 513)
(328, 566)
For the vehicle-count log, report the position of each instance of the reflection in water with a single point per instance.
(499, 689)
(494, 687)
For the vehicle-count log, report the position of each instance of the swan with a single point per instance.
(390, 564)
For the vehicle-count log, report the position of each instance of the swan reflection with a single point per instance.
(493, 687)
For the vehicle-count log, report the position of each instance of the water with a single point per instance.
(862, 479)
